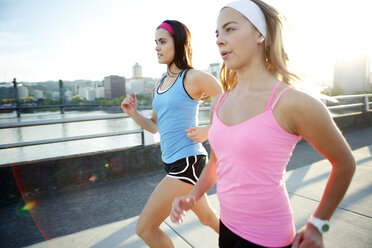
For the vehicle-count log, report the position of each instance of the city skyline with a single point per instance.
(49, 40)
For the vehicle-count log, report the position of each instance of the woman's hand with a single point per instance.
(198, 134)
(180, 206)
(308, 237)
(129, 104)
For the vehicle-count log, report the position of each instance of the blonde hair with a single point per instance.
(275, 54)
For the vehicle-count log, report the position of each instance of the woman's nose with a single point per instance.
(220, 41)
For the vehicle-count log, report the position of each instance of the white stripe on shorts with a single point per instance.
(187, 166)
(185, 178)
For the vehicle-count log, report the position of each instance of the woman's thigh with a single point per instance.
(159, 205)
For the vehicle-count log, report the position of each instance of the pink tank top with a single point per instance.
(252, 157)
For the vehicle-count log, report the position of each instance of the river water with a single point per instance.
(63, 149)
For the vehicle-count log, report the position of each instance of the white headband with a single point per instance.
(252, 12)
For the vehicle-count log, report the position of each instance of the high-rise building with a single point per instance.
(137, 71)
(352, 75)
(114, 86)
(91, 94)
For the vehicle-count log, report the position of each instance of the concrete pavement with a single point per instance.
(105, 214)
(351, 224)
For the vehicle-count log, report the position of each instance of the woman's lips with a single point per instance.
(224, 55)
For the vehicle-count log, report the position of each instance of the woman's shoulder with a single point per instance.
(300, 102)
(195, 74)
(294, 96)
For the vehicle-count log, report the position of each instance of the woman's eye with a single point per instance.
(229, 29)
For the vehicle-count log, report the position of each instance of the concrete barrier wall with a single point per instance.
(45, 177)
(353, 121)
(36, 179)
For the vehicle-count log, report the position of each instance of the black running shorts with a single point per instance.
(186, 169)
(228, 239)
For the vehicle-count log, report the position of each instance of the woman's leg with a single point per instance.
(206, 214)
(157, 209)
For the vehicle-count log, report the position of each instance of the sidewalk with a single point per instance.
(351, 224)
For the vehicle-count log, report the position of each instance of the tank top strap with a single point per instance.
(183, 73)
(160, 83)
(278, 98)
(272, 95)
(220, 101)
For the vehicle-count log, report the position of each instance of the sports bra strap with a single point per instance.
(220, 101)
(272, 95)
(280, 94)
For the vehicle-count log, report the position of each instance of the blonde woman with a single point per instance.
(256, 124)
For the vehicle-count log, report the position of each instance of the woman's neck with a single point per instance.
(173, 70)
(254, 76)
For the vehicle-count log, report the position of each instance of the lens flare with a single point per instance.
(25, 200)
(29, 205)
(116, 165)
(93, 178)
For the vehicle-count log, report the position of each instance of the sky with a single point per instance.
(44, 40)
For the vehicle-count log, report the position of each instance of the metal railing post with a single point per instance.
(61, 96)
(366, 103)
(143, 137)
(16, 97)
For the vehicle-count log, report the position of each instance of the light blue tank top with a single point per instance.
(176, 111)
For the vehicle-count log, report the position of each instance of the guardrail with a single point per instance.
(365, 104)
(71, 120)
(61, 106)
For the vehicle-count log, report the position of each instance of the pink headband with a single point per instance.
(167, 27)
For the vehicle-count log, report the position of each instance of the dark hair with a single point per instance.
(182, 45)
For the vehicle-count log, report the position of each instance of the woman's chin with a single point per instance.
(230, 67)
(161, 61)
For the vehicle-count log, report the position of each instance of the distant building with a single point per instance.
(75, 89)
(68, 95)
(91, 94)
(22, 92)
(38, 94)
(82, 92)
(214, 69)
(100, 92)
(114, 86)
(352, 75)
(139, 84)
(137, 71)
